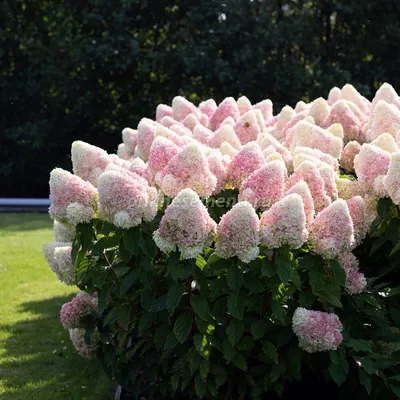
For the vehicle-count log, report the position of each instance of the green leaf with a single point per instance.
(158, 304)
(124, 315)
(278, 311)
(339, 372)
(216, 288)
(337, 356)
(234, 278)
(213, 258)
(338, 273)
(283, 262)
(128, 280)
(270, 351)
(146, 320)
(200, 307)
(240, 362)
(180, 270)
(377, 244)
(360, 345)
(146, 277)
(258, 329)
(160, 334)
(268, 268)
(131, 239)
(234, 331)
(204, 368)
(331, 292)
(200, 262)
(235, 304)
(246, 343)
(252, 284)
(182, 327)
(170, 341)
(147, 298)
(365, 380)
(369, 365)
(201, 345)
(175, 381)
(200, 386)
(317, 280)
(174, 296)
(228, 350)
(194, 359)
(295, 277)
(306, 299)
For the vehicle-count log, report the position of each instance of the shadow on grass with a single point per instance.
(39, 361)
(18, 222)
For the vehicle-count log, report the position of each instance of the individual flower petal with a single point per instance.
(238, 233)
(73, 200)
(188, 169)
(284, 223)
(316, 330)
(263, 187)
(125, 198)
(249, 159)
(331, 232)
(186, 224)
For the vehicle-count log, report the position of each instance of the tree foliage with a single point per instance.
(86, 69)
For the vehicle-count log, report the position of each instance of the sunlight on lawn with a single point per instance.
(37, 360)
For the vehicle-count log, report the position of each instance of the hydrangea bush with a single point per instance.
(226, 252)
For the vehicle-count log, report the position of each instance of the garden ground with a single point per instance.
(37, 360)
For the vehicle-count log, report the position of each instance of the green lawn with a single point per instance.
(37, 360)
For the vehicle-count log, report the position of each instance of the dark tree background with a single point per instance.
(85, 69)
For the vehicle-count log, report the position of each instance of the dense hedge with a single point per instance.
(84, 69)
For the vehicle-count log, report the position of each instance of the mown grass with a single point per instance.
(37, 360)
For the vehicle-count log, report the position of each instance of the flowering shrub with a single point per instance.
(224, 252)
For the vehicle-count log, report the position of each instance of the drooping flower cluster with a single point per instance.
(316, 330)
(355, 280)
(73, 313)
(86, 350)
(58, 256)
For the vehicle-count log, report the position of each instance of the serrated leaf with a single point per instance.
(147, 298)
(174, 296)
(240, 361)
(267, 268)
(228, 350)
(200, 307)
(258, 329)
(252, 284)
(316, 279)
(128, 280)
(235, 304)
(182, 327)
(234, 278)
(339, 371)
(270, 351)
(235, 331)
(365, 380)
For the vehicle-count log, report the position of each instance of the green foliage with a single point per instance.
(210, 328)
(86, 69)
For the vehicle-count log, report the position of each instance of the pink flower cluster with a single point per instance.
(85, 350)
(316, 330)
(58, 256)
(186, 224)
(73, 313)
(355, 280)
